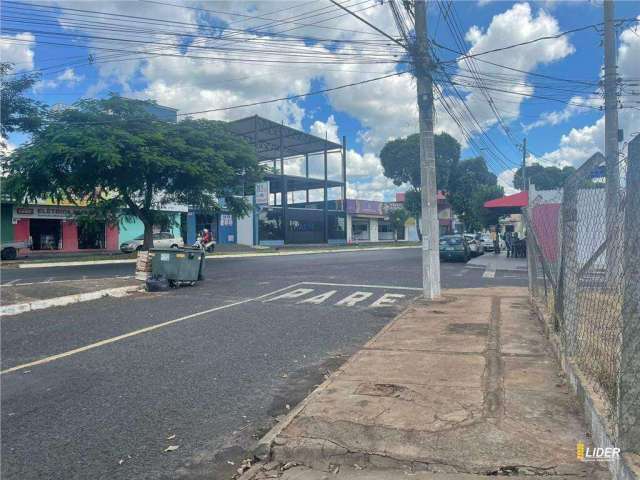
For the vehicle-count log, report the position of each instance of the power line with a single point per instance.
(382, 32)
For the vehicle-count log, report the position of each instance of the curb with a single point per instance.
(18, 308)
(78, 263)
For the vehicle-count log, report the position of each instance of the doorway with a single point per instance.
(45, 234)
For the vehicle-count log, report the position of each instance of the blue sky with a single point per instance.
(170, 51)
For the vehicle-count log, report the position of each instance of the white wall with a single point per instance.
(245, 226)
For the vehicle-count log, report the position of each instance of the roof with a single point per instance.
(517, 200)
(296, 183)
(266, 134)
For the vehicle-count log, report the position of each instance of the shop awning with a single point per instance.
(510, 202)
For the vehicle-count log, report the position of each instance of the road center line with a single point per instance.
(150, 328)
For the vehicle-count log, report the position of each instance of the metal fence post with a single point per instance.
(629, 376)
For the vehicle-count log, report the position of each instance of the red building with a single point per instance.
(53, 228)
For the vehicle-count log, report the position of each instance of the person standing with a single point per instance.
(508, 240)
(496, 241)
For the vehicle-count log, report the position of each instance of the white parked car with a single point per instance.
(160, 240)
(487, 243)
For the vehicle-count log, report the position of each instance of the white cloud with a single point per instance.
(505, 180)
(575, 107)
(516, 25)
(328, 129)
(20, 52)
(67, 78)
(70, 77)
(580, 143)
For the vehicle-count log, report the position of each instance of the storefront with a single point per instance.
(56, 228)
(221, 225)
(364, 218)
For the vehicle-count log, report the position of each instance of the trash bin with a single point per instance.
(177, 265)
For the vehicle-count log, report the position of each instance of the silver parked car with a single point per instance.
(160, 240)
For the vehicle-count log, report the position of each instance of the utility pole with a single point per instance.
(525, 187)
(430, 227)
(611, 135)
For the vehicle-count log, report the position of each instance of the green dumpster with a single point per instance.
(177, 265)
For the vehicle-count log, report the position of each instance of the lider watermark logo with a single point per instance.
(590, 454)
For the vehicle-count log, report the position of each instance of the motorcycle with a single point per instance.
(207, 247)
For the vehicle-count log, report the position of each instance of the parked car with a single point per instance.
(160, 240)
(475, 244)
(454, 247)
(9, 250)
(487, 243)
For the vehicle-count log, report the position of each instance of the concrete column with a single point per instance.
(344, 181)
(283, 194)
(191, 227)
(326, 197)
(629, 379)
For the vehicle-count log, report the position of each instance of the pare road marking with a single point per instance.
(313, 297)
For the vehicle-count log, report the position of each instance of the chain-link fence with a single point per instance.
(584, 247)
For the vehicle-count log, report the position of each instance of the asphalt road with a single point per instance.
(206, 368)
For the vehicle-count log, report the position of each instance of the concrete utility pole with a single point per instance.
(525, 187)
(430, 227)
(611, 134)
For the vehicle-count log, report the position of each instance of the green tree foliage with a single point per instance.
(397, 218)
(544, 178)
(400, 159)
(120, 159)
(18, 113)
(471, 185)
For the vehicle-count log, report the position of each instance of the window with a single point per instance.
(270, 224)
(336, 225)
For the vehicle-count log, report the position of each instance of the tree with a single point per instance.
(400, 159)
(120, 160)
(398, 217)
(470, 183)
(544, 178)
(18, 113)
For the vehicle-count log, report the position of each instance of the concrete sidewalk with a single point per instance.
(458, 389)
(492, 261)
